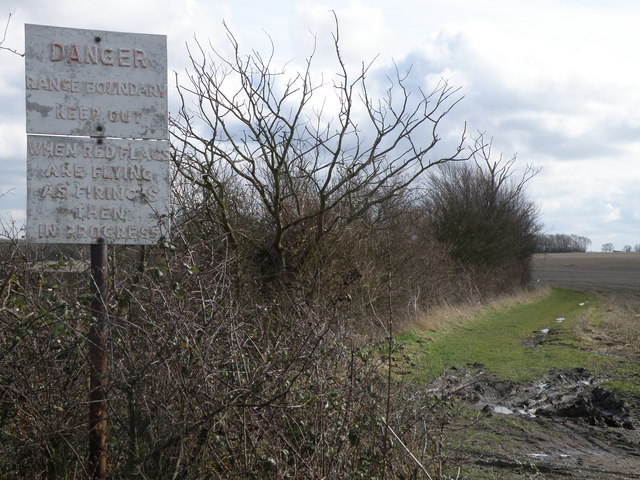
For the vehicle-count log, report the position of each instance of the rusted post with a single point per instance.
(98, 360)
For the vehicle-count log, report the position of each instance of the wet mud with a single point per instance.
(566, 424)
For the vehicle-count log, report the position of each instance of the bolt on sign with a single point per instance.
(98, 151)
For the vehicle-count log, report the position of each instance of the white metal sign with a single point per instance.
(83, 189)
(96, 83)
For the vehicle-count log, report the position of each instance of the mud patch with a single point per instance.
(564, 424)
(598, 407)
(569, 394)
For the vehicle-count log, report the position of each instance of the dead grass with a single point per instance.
(446, 316)
(615, 330)
(619, 331)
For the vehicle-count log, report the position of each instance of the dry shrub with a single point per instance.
(218, 370)
(207, 378)
(42, 381)
(479, 211)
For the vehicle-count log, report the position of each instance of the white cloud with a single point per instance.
(612, 213)
(555, 82)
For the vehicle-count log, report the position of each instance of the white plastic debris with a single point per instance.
(502, 410)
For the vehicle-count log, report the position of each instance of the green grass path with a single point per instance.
(510, 344)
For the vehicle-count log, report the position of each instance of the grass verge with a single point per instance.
(517, 341)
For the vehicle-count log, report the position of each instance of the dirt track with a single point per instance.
(602, 273)
(552, 444)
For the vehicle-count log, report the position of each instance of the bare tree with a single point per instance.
(482, 214)
(607, 247)
(278, 169)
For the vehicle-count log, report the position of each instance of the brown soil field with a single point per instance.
(601, 273)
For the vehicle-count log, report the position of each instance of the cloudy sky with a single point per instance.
(555, 82)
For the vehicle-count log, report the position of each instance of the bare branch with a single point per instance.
(306, 160)
(4, 37)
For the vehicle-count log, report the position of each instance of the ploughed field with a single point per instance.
(602, 273)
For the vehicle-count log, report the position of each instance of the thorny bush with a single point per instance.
(204, 383)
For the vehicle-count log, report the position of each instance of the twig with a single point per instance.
(4, 37)
(424, 470)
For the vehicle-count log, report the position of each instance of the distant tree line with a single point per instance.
(608, 248)
(562, 243)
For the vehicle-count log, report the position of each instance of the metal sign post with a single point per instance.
(99, 364)
(97, 164)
